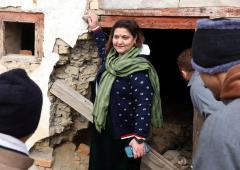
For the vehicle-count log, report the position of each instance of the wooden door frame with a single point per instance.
(166, 18)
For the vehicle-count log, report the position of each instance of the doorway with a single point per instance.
(176, 134)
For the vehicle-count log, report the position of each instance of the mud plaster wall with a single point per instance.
(62, 19)
(77, 66)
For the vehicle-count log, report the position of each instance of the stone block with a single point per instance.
(84, 36)
(72, 70)
(63, 50)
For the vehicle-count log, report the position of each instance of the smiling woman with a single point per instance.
(127, 97)
(122, 40)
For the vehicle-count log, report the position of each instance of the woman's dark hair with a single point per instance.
(132, 27)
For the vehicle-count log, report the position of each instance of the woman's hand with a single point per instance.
(92, 20)
(138, 149)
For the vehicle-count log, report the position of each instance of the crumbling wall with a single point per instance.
(77, 67)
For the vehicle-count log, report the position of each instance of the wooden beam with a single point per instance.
(153, 22)
(166, 18)
(74, 99)
(198, 121)
(21, 16)
(211, 12)
(153, 160)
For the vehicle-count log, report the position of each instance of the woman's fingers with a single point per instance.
(138, 151)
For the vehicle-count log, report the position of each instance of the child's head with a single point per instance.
(184, 63)
(184, 60)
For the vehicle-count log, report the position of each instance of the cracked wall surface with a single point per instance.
(77, 66)
(62, 20)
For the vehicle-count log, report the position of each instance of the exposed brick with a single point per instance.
(44, 163)
(83, 149)
(25, 52)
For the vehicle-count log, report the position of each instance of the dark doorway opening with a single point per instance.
(165, 46)
(176, 134)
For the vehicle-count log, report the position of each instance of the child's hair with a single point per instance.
(184, 60)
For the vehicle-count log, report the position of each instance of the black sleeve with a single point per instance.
(143, 94)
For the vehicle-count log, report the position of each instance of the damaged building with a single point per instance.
(50, 40)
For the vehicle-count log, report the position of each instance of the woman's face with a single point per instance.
(123, 40)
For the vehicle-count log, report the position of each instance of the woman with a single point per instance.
(127, 99)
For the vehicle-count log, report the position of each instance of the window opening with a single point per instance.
(19, 38)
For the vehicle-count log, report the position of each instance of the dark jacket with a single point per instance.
(11, 160)
(130, 99)
(219, 143)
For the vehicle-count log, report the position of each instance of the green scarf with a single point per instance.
(122, 67)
